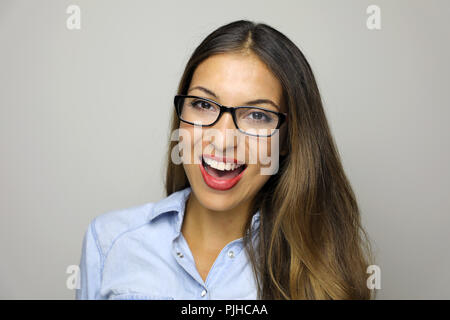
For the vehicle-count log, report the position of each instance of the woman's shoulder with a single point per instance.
(110, 225)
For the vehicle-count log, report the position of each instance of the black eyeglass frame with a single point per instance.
(282, 117)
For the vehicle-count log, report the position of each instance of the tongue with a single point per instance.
(223, 175)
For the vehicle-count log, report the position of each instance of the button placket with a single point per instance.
(227, 255)
(184, 258)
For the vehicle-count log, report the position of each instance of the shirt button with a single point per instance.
(231, 254)
(203, 293)
(180, 254)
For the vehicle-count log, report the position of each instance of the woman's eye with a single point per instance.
(201, 104)
(259, 116)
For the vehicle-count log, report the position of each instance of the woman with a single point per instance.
(226, 230)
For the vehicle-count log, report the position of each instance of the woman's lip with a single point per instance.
(219, 184)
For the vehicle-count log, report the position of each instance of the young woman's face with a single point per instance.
(234, 79)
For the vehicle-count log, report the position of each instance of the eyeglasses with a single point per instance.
(247, 119)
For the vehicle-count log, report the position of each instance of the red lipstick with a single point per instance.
(220, 183)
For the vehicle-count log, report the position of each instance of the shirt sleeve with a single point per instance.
(90, 266)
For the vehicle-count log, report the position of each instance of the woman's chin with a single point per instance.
(217, 200)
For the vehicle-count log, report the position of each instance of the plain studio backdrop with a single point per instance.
(84, 123)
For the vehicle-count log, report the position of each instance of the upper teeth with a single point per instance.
(219, 165)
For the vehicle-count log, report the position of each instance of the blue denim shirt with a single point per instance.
(140, 253)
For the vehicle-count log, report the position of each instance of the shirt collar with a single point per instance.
(175, 203)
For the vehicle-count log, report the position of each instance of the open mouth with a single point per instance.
(222, 171)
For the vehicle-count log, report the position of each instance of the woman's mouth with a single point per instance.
(221, 175)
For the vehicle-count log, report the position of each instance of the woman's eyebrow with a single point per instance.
(257, 101)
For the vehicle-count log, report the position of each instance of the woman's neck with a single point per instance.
(213, 228)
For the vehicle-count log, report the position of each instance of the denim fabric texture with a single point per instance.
(140, 253)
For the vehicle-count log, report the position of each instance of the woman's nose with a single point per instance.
(225, 122)
(224, 131)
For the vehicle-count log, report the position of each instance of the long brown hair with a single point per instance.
(311, 242)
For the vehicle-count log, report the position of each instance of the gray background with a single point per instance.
(84, 123)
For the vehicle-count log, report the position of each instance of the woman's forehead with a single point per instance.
(237, 77)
